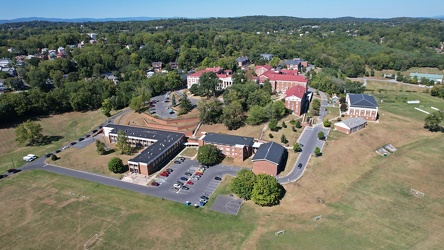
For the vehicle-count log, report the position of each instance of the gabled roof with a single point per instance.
(362, 101)
(220, 72)
(266, 66)
(242, 59)
(284, 77)
(351, 122)
(294, 61)
(271, 152)
(297, 90)
(227, 139)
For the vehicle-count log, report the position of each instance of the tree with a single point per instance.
(316, 104)
(209, 155)
(273, 125)
(136, 103)
(284, 139)
(122, 143)
(321, 135)
(173, 100)
(107, 107)
(266, 190)
(243, 184)
(30, 132)
(207, 84)
(195, 90)
(298, 124)
(233, 115)
(283, 124)
(267, 86)
(185, 105)
(317, 151)
(296, 147)
(54, 157)
(433, 120)
(327, 123)
(256, 115)
(210, 111)
(116, 165)
(274, 62)
(173, 80)
(100, 146)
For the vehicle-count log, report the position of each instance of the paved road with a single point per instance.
(309, 141)
(204, 186)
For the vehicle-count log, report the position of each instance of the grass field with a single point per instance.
(390, 86)
(291, 136)
(247, 130)
(189, 152)
(332, 112)
(63, 128)
(366, 201)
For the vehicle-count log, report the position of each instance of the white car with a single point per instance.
(65, 147)
(29, 158)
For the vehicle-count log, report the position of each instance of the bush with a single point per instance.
(284, 125)
(298, 124)
(321, 135)
(54, 157)
(327, 123)
(292, 121)
(243, 184)
(209, 155)
(116, 165)
(293, 128)
(270, 135)
(266, 191)
(284, 139)
(273, 125)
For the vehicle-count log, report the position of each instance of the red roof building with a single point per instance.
(295, 98)
(262, 69)
(281, 81)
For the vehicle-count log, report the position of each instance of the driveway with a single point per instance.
(309, 141)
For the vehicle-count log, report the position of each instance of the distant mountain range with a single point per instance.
(82, 20)
(112, 19)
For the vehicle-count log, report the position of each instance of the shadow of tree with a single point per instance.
(49, 139)
(107, 152)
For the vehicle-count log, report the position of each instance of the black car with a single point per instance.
(182, 159)
(169, 170)
(217, 178)
(179, 182)
(203, 197)
(300, 165)
(81, 139)
(188, 174)
(95, 130)
(185, 187)
(87, 136)
(3, 176)
(177, 162)
(57, 151)
(48, 155)
(73, 143)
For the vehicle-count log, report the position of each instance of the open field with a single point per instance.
(47, 211)
(390, 86)
(291, 136)
(189, 152)
(61, 129)
(366, 201)
(87, 159)
(332, 112)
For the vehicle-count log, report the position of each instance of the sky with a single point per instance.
(213, 8)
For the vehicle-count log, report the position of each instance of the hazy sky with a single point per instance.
(227, 8)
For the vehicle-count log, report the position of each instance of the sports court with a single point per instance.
(227, 204)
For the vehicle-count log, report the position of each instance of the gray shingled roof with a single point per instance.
(164, 141)
(362, 101)
(271, 152)
(224, 139)
(354, 122)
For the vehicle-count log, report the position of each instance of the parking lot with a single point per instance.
(161, 105)
(182, 184)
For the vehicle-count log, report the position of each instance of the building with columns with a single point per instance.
(361, 105)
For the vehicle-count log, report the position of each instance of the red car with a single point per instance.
(190, 183)
(154, 184)
(198, 173)
(166, 174)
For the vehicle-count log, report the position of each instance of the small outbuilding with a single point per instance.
(351, 125)
(269, 159)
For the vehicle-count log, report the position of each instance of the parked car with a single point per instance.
(165, 174)
(185, 187)
(217, 178)
(81, 139)
(177, 162)
(190, 183)
(3, 176)
(177, 185)
(179, 182)
(199, 174)
(183, 178)
(196, 177)
(95, 130)
(182, 159)
(73, 143)
(203, 197)
(300, 165)
(188, 174)
(13, 170)
(48, 155)
(65, 147)
(57, 151)
(155, 184)
(169, 170)
(29, 157)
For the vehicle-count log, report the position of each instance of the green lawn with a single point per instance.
(63, 128)
(332, 112)
(63, 212)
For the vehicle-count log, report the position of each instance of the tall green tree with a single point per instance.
(208, 82)
(266, 191)
(107, 107)
(30, 132)
(116, 165)
(210, 111)
(185, 105)
(256, 115)
(137, 103)
(433, 121)
(209, 155)
(274, 62)
(122, 143)
(296, 147)
(233, 115)
(100, 147)
(243, 184)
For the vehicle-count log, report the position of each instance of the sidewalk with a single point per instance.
(138, 179)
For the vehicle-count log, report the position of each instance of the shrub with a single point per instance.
(54, 157)
(116, 165)
(270, 135)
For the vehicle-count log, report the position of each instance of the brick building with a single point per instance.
(159, 146)
(237, 147)
(282, 80)
(224, 77)
(269, 159)
(360, 105)
(351, 125)
(296, 99)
